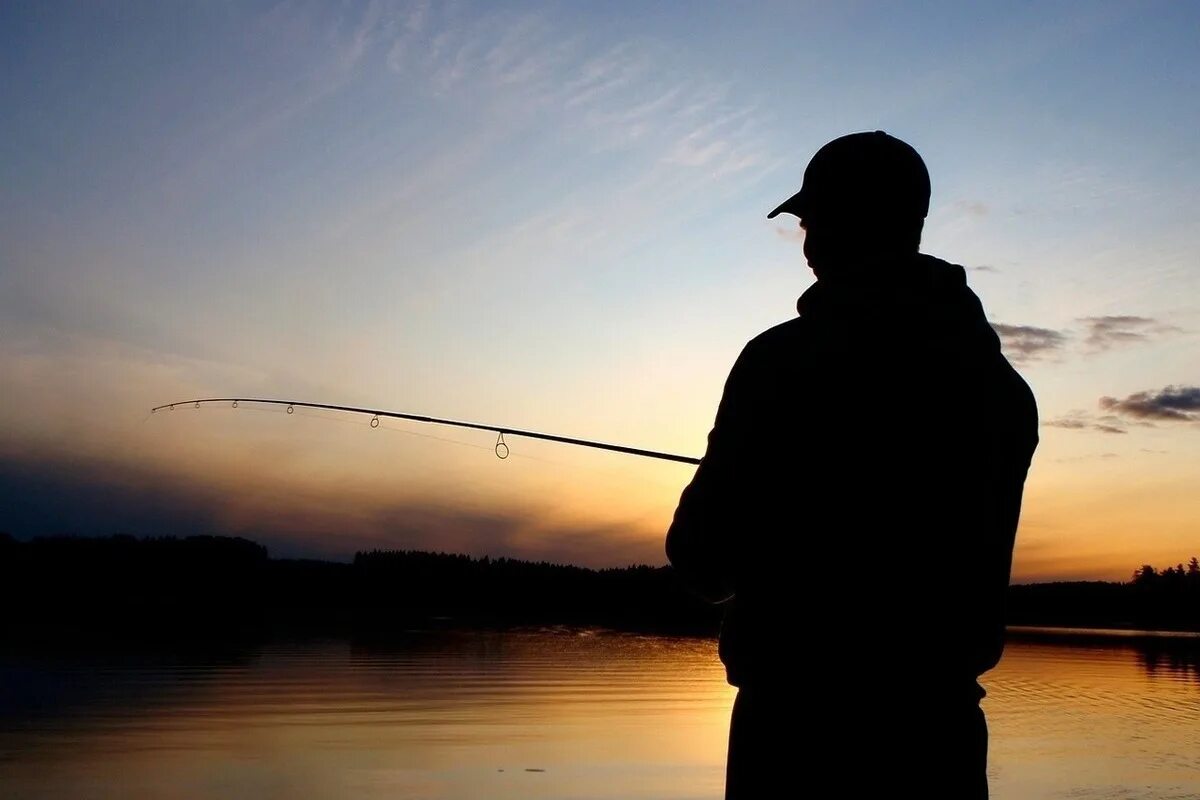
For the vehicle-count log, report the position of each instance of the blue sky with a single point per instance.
(553, 216)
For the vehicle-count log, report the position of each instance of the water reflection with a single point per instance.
(550, 714)
(1084, 717)
(73, 684)
(1167, 654)
(532, 714)
(1171, 660)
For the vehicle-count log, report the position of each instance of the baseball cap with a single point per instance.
(869, 174)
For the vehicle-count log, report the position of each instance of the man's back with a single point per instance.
(859, 498)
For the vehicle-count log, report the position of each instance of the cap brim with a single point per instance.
(789, 206)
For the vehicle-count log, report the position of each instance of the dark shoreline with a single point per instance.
(219, 588)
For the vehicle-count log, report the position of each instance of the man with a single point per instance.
(857, 505)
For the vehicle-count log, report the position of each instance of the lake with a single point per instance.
(534, 714)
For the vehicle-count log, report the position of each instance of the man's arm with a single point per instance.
(701, 542)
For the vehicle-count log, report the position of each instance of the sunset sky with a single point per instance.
(553, 216)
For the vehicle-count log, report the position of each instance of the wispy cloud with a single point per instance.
(612, 70)
(1026, 343)
(795, 234)
(645, 127)
(1108, 332)
(624, 94)
(1170, 404)
(973, 208)
(1083, 421)
(1092, 457)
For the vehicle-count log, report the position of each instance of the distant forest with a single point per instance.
(230, 587)
(1167, 599)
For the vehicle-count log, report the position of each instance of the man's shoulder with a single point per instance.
(765, 353)
(785, 335)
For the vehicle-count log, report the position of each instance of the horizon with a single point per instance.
(350, 559)
(554, 218)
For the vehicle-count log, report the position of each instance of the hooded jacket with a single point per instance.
(858, 499)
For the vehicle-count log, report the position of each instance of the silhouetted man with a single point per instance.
(857, 505)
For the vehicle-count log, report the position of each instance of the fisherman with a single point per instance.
(856, 508)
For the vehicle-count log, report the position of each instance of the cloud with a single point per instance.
(1082, 421)
(619, 95)
(982, 268)
(1025, 343)
(1070, 423)
(1105, 333)
(973, 208)
(1171, 404)
(1093, 457)
(791, 234)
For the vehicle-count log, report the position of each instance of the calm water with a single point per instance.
(557, 714)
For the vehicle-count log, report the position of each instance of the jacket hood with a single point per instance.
(924, 292)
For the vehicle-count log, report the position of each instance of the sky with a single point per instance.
(552, 216)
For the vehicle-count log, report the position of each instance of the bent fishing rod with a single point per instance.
(500, 430)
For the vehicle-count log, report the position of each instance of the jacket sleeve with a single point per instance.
(701, 542)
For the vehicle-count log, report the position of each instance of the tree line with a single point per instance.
(228, 587)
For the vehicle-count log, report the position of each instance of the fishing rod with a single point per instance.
(500, 430)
